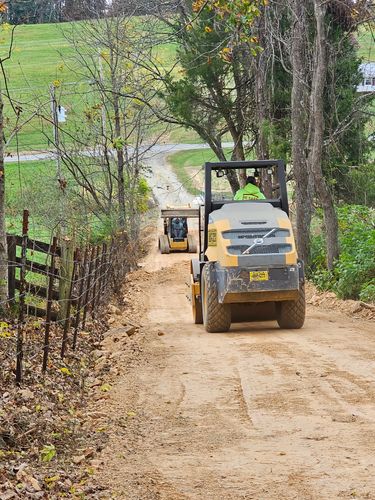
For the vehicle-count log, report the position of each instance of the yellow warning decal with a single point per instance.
(212, 237)
(259, 275)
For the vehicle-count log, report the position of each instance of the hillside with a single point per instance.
(39, 57)
(42, 54)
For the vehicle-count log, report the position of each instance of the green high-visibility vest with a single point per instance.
(249, 192)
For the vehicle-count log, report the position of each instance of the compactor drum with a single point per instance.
(248, 259)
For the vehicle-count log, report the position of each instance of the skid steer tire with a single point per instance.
(216, 316)
(291, 313)
(192, 246)
(164, 244)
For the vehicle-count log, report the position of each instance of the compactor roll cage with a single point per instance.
(211, 205)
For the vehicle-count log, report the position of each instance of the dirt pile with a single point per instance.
(330, 302)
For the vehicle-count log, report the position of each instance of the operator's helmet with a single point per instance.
(251, 180)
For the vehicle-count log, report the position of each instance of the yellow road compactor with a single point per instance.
(248, 266)
(176, 237)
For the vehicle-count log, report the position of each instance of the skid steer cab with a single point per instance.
(248, 267)
(176, 237)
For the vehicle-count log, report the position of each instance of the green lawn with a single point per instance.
(20, 180)
(366, 44)
(39, 57)
(42, 55)
(33, 186)
(187, 165)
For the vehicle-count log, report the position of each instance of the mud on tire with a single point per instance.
(291, 313)
(216, 316)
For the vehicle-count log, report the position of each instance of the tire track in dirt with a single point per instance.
(255, 413)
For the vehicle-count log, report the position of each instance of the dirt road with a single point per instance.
(257, 413)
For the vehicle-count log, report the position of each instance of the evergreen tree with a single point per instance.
(84, 9)
(34, 11)
(49, 11)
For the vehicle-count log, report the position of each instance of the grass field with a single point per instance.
(38, 59)
(41, 55)
(20, 181)
(366, 43)
(188, 167)
(33, 186)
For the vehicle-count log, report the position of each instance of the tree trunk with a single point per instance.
(262, 106)
(217, 148)
(317, 135)
(299, 133)
(3, 237)
(120, 158)
(238, 154)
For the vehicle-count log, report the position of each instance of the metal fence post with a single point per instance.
(69, 304)
(95, 285)
(81, 289)
(102, 274)
(51, 275)
(12, 264)
(21, 315)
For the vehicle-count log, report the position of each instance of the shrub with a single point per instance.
(354, 273)
(368, 292)
(357, 185)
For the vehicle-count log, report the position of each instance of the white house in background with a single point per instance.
(368, 82)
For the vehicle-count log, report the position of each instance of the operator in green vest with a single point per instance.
(251, 191)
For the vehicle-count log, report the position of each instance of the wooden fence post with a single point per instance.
(12, 265)
(69, 305)
(81, 288)
(21, 315)
(51, 275)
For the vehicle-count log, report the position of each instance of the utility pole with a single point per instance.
(56, 135)
(104, 117)
(66, 244)
(59, 177)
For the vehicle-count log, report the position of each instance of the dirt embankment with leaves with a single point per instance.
(50, 437)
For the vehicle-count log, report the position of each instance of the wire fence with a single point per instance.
(72, 286)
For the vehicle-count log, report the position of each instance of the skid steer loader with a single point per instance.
(248, 266)
(176, 235)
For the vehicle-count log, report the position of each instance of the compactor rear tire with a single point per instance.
(291, 313)
(164, 244)
(192, 246)
(216, 316)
